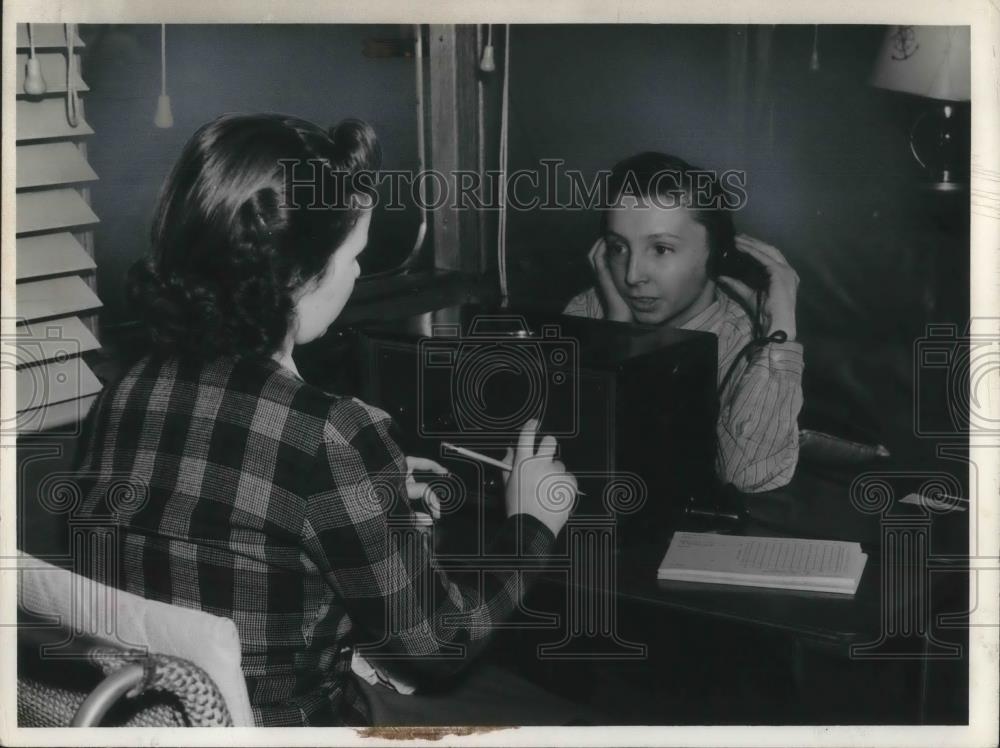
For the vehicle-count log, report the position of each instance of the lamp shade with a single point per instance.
(929, 61)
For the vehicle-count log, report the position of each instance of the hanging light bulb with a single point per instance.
(164, 116)
(487, 63)
(34, 83)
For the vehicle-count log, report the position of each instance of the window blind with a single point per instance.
(56, 298)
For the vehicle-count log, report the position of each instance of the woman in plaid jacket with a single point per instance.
(262, 498)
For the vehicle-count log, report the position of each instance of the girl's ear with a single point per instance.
(301, 287)
(362, 200)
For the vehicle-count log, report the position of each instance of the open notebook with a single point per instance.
(787, 563)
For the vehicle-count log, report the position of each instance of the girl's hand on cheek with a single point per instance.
(616, 307)
(779, 304)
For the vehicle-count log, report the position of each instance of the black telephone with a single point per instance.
(740, 265)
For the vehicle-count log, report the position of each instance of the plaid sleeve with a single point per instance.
(758, 420)
(409, 614)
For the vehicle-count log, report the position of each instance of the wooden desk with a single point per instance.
(880, 655)
(818, 505)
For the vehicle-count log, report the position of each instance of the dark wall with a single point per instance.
(591, 95)
(822, 143)
(317, 72)
(831, 183)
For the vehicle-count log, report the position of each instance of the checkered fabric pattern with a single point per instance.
(236, 488)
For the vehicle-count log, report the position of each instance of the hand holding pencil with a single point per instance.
(505, 464)
(536, 483)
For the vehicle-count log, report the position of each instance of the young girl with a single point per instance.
(665, 246)
(264, 499)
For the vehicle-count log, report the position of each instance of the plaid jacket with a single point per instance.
(263, 499)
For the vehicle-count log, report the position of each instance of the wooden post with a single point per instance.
(453, 140)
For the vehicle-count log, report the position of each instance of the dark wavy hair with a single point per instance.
(233, 237)
(643, 174)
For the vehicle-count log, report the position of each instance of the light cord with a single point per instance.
(72, 97)
(502, 228)
(418, 54)
(163, 59)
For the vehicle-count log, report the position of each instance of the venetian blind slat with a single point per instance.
(55, 382)
(51, 164)
(45, 35)
(53, 69)
(50, 210)
(51, 254)
(38, 342)
(58, 417)
(46, 120)
(55, 297)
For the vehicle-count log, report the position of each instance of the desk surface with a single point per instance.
(817, 504)
(824, 619)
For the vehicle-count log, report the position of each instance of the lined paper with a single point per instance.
(793, 563)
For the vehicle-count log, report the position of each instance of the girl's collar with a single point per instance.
(286, 362)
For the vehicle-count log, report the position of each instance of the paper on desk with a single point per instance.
(823, 565)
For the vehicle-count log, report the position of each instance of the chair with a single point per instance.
(83, 645)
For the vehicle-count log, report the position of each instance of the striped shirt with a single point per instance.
(265, 500)
(759, 407)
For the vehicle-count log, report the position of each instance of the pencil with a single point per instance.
(483, 458)
(476, 456)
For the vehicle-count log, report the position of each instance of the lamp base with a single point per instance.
(939, 143)
(944, 186)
